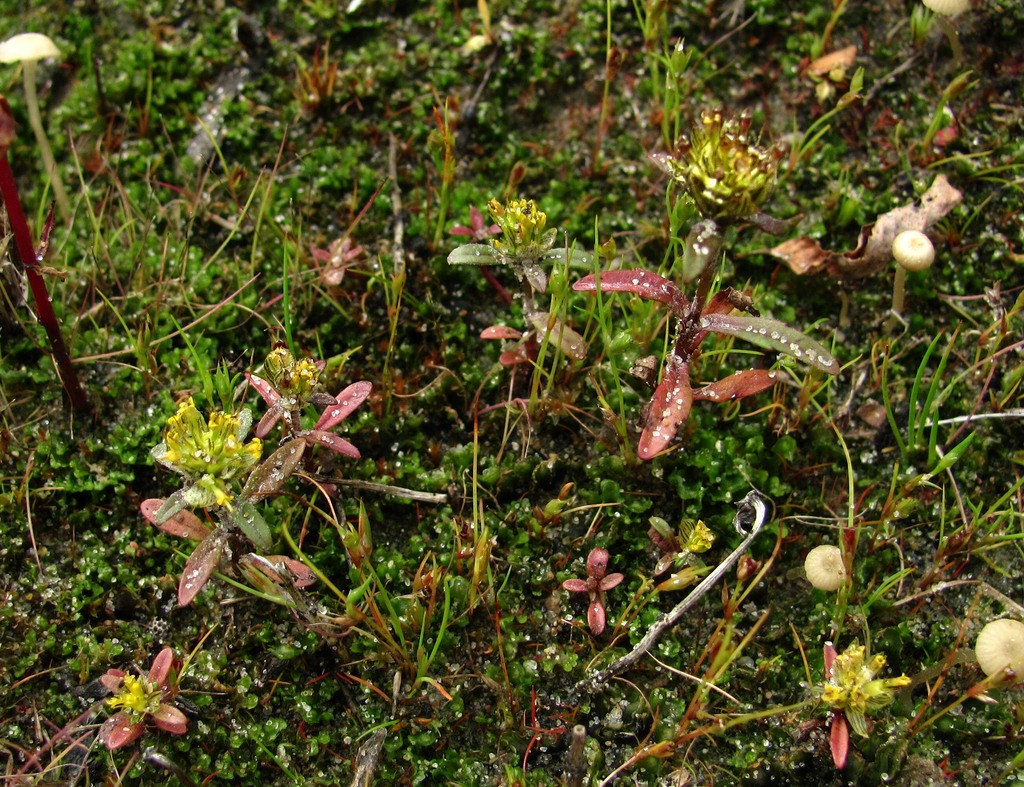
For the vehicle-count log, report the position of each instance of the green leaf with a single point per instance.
(772, 335)
(472, 254)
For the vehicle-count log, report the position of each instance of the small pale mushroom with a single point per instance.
(913, 252)
(944, 11)
(947, 7)
(1000, 646)
(824, 567)
(28, 49)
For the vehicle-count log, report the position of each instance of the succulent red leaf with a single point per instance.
(597, 562)
(161, 667)
(184, 523)
(119, 730)
(268, 421)
(670, 407)
(839, 740)
(332, 441)
(347, 401)
(264, 389)
(596, 617)
(736, 386)
(610, 581)
(500, 332)
(640, 282)
(170, 719)
(200, 567)
(575, 585)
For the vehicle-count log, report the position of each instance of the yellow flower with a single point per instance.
(727, 177)
(136, 696)
(522, 225)
(211, 453)
(854, 689)
(697, 536)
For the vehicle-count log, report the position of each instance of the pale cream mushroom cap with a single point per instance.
(824, 567)
(27, 46)
(913, 251)
(1000, 645)
(947, 7)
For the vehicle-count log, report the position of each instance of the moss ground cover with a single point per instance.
(383, 583)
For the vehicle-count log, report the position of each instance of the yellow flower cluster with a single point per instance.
(854, 689)
(521, 223)
(697, 537)
(212, 453)
(726, 176)
(298, 379)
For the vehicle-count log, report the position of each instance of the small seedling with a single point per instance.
(598, 581)
(143, 699)
(852, 691)
(523, 246)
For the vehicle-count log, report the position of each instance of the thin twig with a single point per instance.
(385, 489)
(752, 510)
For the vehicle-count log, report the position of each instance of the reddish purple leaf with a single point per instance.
(183, 524)
(170, 719)
(337, 444)
(839, 740)
(611, 581)
(640, 282)
(596, 617)
(161, 667)
(669, 409)
(270, 417)
(745, 383)
(347, 401)
(575, 585)
(112, 679)
(500, 332)
(264, 389)
(200, 567)
(119, 730)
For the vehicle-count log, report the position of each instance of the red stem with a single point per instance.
(23, 253)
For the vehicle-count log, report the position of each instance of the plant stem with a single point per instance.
(36, 121)
(24, 255)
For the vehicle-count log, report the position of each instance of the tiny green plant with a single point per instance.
(523, 246)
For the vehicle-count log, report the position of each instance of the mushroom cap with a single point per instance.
(27, 46)
(1000, 645)
(824, 567)
(947, 7)
(913, 251)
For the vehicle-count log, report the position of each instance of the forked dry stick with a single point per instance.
(753, 512)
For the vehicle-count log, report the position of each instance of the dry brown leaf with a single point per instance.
(874, 249)
(843, 58)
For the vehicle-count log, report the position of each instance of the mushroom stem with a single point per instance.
(899, 286)
(952, 37)
(35, 120)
